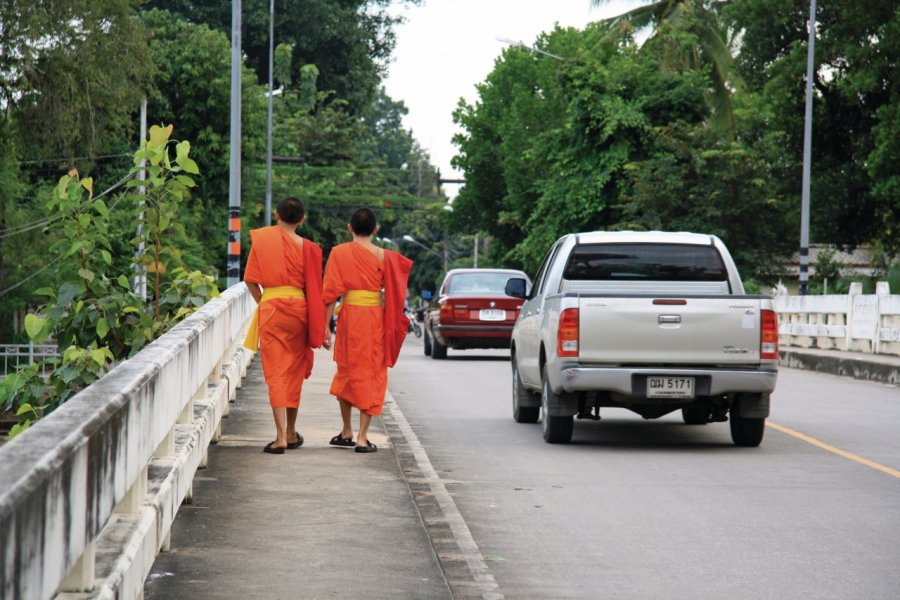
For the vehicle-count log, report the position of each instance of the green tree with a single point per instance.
(690, 35)
(854, 190)
(349, 41)
(72, 72)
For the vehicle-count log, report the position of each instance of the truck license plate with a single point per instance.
(670, 387)
(492, 314)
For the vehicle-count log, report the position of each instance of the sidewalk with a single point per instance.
(316, 522)
(873, 367)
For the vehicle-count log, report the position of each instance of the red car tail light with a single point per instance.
(567, 334)
(447, 311)
(768, 335)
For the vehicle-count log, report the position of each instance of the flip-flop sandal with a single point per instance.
(270, 450)
(296, 444)
(342, 441)
(369, 447)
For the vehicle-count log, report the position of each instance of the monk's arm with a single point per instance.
(255, 290)
(329, 314)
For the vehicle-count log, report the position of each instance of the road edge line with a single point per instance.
(464, 541)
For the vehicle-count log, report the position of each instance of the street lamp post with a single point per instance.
(443, 257)
(807, 155)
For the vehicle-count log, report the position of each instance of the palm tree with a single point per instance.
(689, 34)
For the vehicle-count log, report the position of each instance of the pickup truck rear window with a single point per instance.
(645, 262)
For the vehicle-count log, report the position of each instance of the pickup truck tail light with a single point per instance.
(768, 335)
(567, 334)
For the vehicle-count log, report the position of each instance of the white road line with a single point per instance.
(464, 541)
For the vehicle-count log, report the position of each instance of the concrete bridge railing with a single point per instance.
(856, 322)
(88, 494)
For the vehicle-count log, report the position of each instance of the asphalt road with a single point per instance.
(660, 509)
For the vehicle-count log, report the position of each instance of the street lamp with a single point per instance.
(521, 44)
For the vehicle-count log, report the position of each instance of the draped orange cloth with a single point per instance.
(360, 340)
(288, 327)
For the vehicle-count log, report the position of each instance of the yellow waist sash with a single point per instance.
(362, 298)
(286, 291)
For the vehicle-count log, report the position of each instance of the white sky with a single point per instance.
(446, 47)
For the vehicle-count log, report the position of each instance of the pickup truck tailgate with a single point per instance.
(646, 330)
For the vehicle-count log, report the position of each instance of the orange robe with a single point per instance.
(360, 341)
(288, 327)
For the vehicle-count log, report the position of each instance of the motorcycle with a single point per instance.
(415, 327)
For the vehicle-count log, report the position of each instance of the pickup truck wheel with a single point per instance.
(438, 350)
(693, 415)
(523, 411)
(427, 343)
(556, 430)
(745, 431)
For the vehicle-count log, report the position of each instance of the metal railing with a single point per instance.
(13, 356)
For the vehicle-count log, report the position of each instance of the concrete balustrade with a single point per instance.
(88, 494)
(856, 322)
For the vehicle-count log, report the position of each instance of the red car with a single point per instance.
(472, 310)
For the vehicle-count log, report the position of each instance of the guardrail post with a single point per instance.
(134, 499)
(81, 577)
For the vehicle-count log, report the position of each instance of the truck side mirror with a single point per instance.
(515, 287)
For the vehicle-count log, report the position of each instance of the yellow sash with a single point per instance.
(286, 291)
(362, 298)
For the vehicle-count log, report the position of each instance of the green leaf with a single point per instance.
(185, 181)
(159, 135)
(107, 257)
(182, 149)
(102, 328)
(18, 428)
(99, 357)
(25, 408)
(75, 247)
(123, 281)
(189, 165)
(34, 325)
(67, 293)
(86, 274)
(44, 291)
(88, 184)
(100, 207)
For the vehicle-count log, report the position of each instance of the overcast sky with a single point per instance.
(446, 47)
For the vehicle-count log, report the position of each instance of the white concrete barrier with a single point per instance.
(867, 323)
(88, 494)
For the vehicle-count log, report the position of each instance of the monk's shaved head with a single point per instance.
(291, 210)
(363, 222)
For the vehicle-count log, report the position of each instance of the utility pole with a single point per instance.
(269, 124)
(140, 271)
(807, 155)
(475, 262)
(233, 271)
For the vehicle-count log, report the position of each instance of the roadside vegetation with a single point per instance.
(688, 115)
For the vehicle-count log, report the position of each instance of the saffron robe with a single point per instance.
(288, 327)
(367, 340)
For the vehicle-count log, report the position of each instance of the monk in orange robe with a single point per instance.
(284, 275)
(372, 324)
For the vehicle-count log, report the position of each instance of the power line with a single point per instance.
(11, 231)
(43, 161)
(27, 279)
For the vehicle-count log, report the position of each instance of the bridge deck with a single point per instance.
(316, 522)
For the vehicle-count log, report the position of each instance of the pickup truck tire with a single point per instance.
(526, 408)
(694, 415)
(744, 430)
(426, 341)
(438, 350)
(556, 430)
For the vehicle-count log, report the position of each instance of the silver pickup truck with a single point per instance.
(648, 321)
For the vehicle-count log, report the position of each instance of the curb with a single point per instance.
(847, 366)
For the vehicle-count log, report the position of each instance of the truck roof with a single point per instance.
(641, 237)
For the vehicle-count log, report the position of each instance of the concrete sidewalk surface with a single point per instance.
(316, 522)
